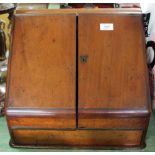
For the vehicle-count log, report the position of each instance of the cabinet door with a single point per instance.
(42, 68)
(112, 66)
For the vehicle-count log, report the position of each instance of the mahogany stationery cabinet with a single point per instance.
(78, 78)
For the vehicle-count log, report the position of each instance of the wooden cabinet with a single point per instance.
(78, 78)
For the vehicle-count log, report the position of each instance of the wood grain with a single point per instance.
(82, 10)
(41, 118)
(77, 138)
(115, 75)
(42, 122)
(46, 122)
(112, 122)
(42, 72)
(43, 62)
(54, 99)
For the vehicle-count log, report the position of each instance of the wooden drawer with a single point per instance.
(104, 123)
(41, 118)
(113, 122)
(42, 122)
(77, 137)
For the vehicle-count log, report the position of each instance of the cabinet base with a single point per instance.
(96, 139)
(13, 145)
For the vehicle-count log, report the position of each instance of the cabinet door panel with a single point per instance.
(42, 66)
(112, 65)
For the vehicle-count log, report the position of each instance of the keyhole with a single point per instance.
(83, 58)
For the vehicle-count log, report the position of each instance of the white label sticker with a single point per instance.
(106, 27)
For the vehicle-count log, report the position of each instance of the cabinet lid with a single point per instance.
(78, 11)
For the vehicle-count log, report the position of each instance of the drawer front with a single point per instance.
(127, 123)
(78, 137)
(41, 118)
(42, 122)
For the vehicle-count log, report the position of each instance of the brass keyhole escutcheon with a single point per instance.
(83, 58)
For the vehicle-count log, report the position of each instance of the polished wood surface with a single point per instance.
(42, 73)
(49, 122)
(41, 118)
(42, 122)
(114, 76)
(77, 138)
(112, 122)
(82, 10)
(55, 97)
(44, 52)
